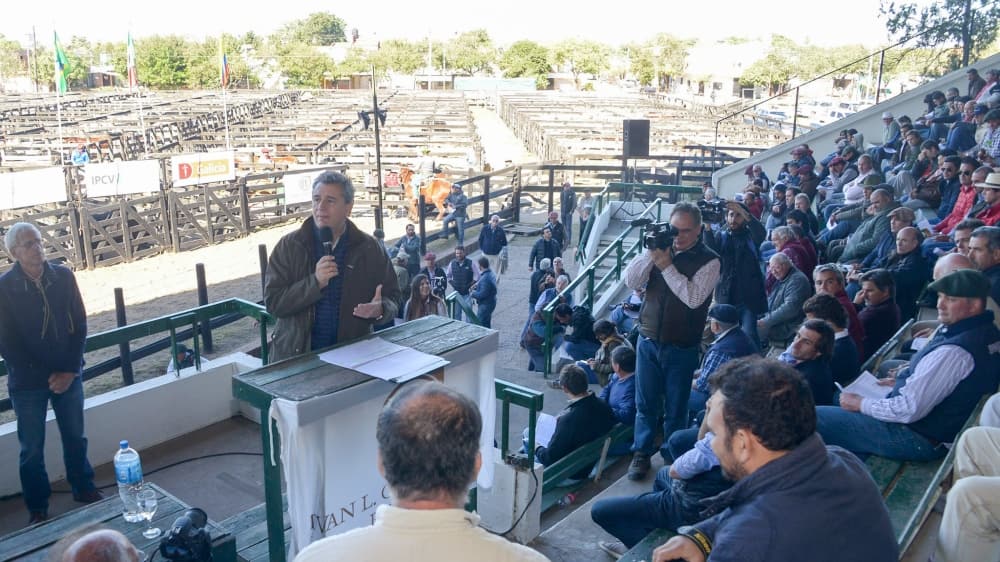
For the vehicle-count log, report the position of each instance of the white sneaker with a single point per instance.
(615, 549)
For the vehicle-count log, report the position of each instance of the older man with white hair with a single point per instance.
(784, 303)
(43, 329)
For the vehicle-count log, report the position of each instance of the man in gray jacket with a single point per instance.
(328, 281)
(784, 303)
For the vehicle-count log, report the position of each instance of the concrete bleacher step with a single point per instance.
(574, 537)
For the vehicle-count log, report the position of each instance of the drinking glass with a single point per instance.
(146, 499)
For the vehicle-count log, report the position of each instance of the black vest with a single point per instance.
(663, 317)
(461, 275)
(981, 339)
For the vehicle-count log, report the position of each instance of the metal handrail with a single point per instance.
(588, 274)
(451, 301)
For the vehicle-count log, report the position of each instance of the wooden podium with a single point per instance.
(320, 390)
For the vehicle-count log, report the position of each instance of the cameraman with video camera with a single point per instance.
(741, 281)
(679, 272)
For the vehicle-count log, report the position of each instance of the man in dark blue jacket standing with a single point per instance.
(794, 497)
(492, 241)
(485, 292)
(741, 282)
(43, 328)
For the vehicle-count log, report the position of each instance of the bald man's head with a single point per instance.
(949, 263)
(103, 545)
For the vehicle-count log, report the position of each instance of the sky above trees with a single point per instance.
(841, 21)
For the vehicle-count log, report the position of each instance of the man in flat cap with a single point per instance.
(932, 397)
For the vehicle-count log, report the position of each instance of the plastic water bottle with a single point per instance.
(128, 473)
(568, 499)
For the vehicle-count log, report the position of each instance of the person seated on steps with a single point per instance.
(674, 501)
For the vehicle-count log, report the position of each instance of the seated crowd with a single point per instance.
(796, 346)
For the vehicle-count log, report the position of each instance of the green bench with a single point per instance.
(582, 457)
(250, 529)
(910, 490)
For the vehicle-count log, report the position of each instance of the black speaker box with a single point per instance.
(635, 138)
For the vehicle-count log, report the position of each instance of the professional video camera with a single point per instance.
(659, 235)
(188, 540)
(713, 211)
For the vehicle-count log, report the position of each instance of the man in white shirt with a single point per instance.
(428, 452)
(932, 397)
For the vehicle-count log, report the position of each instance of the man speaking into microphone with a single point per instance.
(328, 281)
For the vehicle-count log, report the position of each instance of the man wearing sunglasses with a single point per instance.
(966, 198)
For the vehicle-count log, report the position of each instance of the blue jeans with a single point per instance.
(459, 227)
(662, 385)
(485, 313)
(458, 313)
(864, 435)
(748, 323)
(30, 407)
(567, 220)
(631, 518)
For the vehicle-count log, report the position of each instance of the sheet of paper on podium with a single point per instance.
(382, 359)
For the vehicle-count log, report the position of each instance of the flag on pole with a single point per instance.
(61, 66)
(224, 66)
(133, 76)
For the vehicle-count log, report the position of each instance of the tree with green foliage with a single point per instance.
(321, 28)
(79, 53)
(527, 59)
(304, 66)
(399, 55)
(205, 67)
(582, 56)
(472, 52)
(10, 60)
(969, 24)
(777, 68)
(162, 61)
(357, 61)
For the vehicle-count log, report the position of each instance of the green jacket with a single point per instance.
(864, 239)
(291, 290)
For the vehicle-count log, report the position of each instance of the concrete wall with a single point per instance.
(729, 180)
(146, 413)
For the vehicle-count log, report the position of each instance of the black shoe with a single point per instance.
(640, 466)
(92, 496)
(36, 517)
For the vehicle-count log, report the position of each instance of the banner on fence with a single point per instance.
(121, 178)
(298, 187)
(32, 187)
(202, 167)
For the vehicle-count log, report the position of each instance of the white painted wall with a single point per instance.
(729, 180)
(146, 413)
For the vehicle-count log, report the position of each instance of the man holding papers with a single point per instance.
(934, 396)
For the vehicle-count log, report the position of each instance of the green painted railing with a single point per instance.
(451, 300)
(168, 325)
(509, 393)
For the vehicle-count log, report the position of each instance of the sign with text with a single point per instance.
(203, 167)
(329, 448)
(298, 187)
(121, 178)
(32, 187)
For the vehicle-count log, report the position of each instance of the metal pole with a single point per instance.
(795, 117)
(206, 327)
(262, 256)
(878, 86)
(421, 214)
(124, 350)
(378, 152)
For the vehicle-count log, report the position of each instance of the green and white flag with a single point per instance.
(61, 66)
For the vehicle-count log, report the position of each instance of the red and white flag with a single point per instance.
(133, 76)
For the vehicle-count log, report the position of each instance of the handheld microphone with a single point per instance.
(326, 237)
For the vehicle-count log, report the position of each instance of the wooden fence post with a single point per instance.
(206, 325)
(124, 349)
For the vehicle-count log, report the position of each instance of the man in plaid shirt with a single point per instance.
(730, 343)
